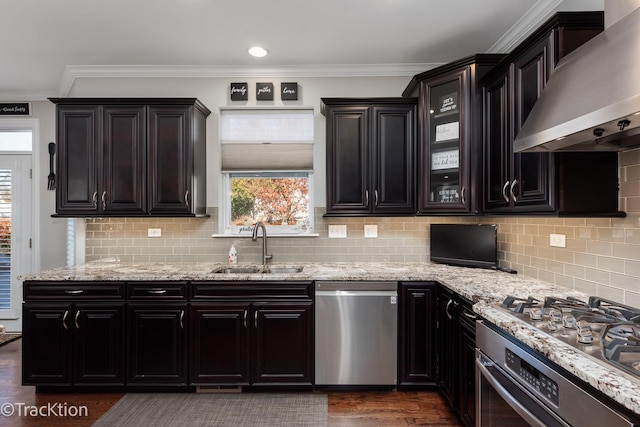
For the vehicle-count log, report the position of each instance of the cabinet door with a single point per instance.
(170, 160)
(220, 350)
(78, 159)
(467, 369)
(348, 159)
(417, 333)
(497, 140)
(46, 346)
(157, 343)
(98, 345)
(447, 344)
(393, 144)
(530, 187)
(124, 160)
(283, 343)
(445, 158)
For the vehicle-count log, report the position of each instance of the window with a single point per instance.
(5, 239)
(267, 164)
(281, 200)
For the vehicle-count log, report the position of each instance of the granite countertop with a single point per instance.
(485, 288)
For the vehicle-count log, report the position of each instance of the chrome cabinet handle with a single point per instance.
(470, 315)
(366, 197)
(375, 196)
(64, 319)
(186, 198)
(513, 184)
(446, 310)
(157, 291)
(94, 199)
(255, 319)
(462, 196)
(74, 291)
(181, 319)
(245, 318)
(104, 200)
(75, 320)
(504, 192)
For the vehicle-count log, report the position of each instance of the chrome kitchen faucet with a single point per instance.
(254, 237)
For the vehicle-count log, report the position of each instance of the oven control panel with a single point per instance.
(540, 382)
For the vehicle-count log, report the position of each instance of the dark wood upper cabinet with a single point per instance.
(131, 157)
(546, 183)
(370, 155)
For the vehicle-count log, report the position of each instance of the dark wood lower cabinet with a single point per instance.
(467, 365)
(157, 343)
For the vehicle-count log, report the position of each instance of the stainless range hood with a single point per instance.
(592, 99)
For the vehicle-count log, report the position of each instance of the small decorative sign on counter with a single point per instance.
(447, 132)
(289, 91)
(264, 91)
(239, 92)
(15, 109)
(444, 160)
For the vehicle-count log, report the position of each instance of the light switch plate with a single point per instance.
(370, 231)
(337, 231)
(558, 240)
(154, 232)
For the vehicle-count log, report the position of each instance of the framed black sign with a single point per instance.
(289, 91)
(239, 91)
(264, 91)
(15, 109)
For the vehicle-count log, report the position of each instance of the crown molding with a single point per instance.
(73, 72)
(526, 25)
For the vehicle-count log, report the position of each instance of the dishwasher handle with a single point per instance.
(355, 285)
(349, 293)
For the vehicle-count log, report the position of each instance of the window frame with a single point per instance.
(227, 229)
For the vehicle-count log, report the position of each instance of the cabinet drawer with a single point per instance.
(263, 290)
(156, 290)
(55, 290)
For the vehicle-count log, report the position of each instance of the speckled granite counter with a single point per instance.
(485, 288)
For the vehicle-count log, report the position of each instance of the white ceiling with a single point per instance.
(46, 44)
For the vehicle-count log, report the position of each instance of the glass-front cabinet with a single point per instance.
(445, 157)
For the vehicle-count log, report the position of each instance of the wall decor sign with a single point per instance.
(447, 132)
(448, 103)
(15, 109)
(289, 91)
(264, 91)
(239, 91)
(444, 160)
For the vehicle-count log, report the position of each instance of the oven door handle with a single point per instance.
(504, 393)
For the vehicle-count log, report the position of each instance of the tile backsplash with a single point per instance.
(602, 255)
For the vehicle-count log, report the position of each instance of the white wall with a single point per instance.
(614, 10)
(214, 93)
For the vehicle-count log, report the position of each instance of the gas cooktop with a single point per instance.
(603, 329)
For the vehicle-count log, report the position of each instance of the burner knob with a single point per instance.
(584, 333)
(535, 313)
(555, 315)
(568, 321)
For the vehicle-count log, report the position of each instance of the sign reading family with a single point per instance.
(14, 109)
(239, 92)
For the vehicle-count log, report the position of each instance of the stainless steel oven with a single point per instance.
(514, 387)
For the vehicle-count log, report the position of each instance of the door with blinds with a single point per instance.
(15, 223)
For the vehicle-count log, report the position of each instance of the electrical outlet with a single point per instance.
(337, 231)
(154, 232)
(558, 240)
(370, 231)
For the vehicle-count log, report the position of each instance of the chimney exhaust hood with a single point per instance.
(592, 99)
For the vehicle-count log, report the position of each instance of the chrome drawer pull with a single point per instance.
(74, 291)
(469, 315)
(157, 291)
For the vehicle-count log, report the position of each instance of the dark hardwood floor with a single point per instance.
(346, 409)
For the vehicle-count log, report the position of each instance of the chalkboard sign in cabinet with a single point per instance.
(130, 157)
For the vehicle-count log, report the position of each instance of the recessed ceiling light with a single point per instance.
(257, 51)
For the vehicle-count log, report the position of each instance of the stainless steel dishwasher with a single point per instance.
(356, 333)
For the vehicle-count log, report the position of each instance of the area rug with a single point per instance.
(217, 409)
(7, 337)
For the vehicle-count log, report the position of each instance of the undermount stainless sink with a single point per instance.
(254, 269)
